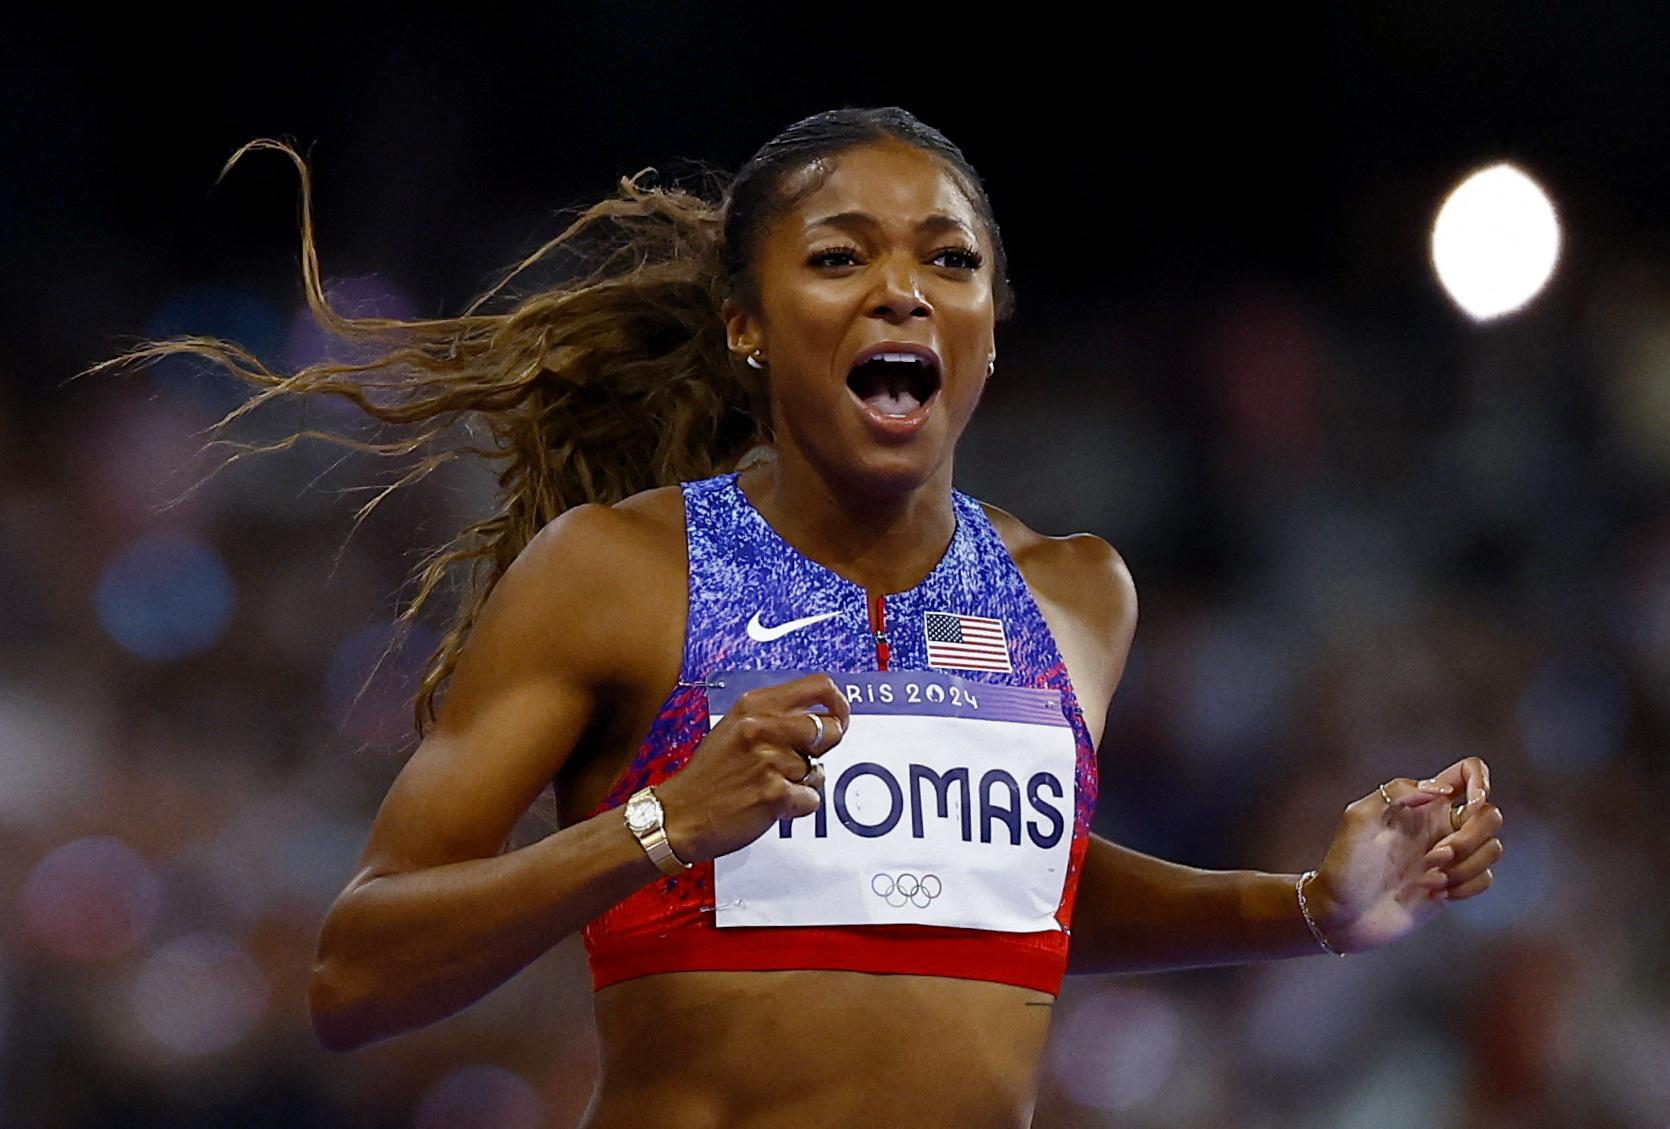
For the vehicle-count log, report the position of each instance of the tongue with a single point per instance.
(895, 402)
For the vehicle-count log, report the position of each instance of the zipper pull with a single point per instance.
(878, 628)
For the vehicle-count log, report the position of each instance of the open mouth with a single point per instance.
(894, 384)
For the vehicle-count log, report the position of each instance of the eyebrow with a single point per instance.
(936, 222)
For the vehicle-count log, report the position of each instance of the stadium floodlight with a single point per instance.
(1495, 241)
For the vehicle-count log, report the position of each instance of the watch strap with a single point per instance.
(654, 841)
(661, 852)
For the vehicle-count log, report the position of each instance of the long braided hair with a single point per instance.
(611, 383)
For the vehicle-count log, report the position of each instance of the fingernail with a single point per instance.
(1434, 786)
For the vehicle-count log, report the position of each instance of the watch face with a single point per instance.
(642, 815)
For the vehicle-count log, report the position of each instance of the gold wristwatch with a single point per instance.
(644, 818)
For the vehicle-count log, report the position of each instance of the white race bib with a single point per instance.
(947, 802)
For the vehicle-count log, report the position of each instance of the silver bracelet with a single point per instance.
(1299, 887)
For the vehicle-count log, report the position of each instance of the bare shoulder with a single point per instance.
(1079, 571)
(1088, 600)
(612, 541)
(642, 519)
(660, 506)
(606, 575)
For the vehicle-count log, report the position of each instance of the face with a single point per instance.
(885, 250)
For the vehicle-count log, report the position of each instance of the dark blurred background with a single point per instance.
(1371, 535)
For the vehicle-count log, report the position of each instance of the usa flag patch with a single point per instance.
(968, 642)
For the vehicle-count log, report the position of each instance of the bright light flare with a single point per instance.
(1495, 241)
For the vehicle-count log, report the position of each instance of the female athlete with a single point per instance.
(730, 448)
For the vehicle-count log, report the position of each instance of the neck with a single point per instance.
(882, 540)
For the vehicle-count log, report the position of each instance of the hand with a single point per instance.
(1393, 865)
(753, 768)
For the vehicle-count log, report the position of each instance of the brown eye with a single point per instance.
(971, 258)
(819, 259)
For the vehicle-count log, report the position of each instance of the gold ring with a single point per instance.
(1384, 795)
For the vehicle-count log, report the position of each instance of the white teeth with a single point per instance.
(906, 357)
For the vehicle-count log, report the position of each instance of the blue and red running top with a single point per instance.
(741, 569)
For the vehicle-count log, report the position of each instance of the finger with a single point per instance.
(799, 799)
(1477, 775)
(798, 695)
(809, 766)
(821, 730)
(812, 732)
(1407, 793)
(1468, 777)
(824, 732)
(1482, 825)
(781, 738)
(790, 764)
(1468, 867)
(1476, 885)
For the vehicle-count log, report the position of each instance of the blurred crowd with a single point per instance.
(1365, 546)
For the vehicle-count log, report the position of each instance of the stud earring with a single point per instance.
(753, 360)
(991, 366)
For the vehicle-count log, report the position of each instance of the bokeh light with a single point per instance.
(480, 1097)
(1629, 320)
(1309, 1014)
(307, 342)
(198, 993)
(1235, 686)
(51, 756)
(237, 316)
(1495, 241)
(1117, 1048)
(165, 596)
(281, 849)
(1403, 1086)
(369, 688)
(1572, 714)
(91, 899)
(1520, 886)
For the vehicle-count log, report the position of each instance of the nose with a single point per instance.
(898, 294)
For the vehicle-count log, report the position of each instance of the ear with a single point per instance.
(742, 330)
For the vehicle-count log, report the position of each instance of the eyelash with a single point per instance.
(974, 257)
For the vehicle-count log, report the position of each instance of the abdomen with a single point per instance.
(774, 1050)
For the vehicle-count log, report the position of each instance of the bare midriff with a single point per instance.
(836, 1050)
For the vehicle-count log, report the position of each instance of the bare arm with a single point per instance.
(1137, 913)
(435, 917)
(1400, 853)
(1394, 859)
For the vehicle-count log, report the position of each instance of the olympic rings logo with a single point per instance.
(907, 887)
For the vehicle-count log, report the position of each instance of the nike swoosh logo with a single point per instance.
(760, 633)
